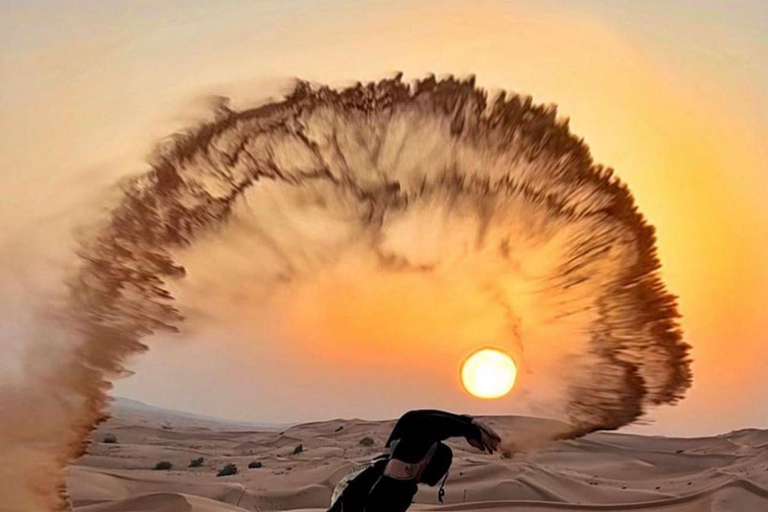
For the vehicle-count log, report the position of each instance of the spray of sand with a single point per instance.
(430, 187)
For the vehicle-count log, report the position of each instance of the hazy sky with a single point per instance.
(672, 94)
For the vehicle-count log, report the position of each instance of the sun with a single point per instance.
(489, 373)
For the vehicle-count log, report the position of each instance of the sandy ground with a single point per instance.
(600, 472)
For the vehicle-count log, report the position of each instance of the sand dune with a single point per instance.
(163, 501)
(600, 472)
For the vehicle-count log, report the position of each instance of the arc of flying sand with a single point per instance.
(509, 152)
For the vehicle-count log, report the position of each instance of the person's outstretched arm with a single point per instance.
(433, 424)
(418, 430)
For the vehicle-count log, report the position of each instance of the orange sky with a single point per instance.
(679, 113)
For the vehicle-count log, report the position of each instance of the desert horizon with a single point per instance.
(603, 471)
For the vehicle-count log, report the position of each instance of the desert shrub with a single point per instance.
(196, 463)
(255, 464)
(110, 439)
(163, 464)
(299, 449)
(367, 441)
(229, 469)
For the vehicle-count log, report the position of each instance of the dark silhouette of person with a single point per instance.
(415, 454)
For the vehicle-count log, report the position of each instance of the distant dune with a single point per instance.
(597, 473)
(130, 411)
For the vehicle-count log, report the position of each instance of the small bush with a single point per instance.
(299, 449)
(163, 464)
(196, 463)
(367, 441)
(110, 439)
(255, 464)
(229, 469)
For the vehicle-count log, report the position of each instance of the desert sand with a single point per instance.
(603, 471)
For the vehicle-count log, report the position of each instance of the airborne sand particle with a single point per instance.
(430, 178)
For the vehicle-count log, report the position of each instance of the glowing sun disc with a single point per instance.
(489, 373)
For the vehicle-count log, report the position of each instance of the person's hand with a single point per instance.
(489, 440)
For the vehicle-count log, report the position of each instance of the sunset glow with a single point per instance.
(489, 373)
(546, 219)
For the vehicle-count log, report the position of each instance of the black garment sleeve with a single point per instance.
(418, 430)
(391, 495)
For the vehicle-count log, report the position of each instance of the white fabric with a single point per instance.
(344, 482)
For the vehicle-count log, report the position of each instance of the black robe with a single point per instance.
(413, 436)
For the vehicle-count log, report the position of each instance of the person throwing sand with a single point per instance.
(415, 454)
